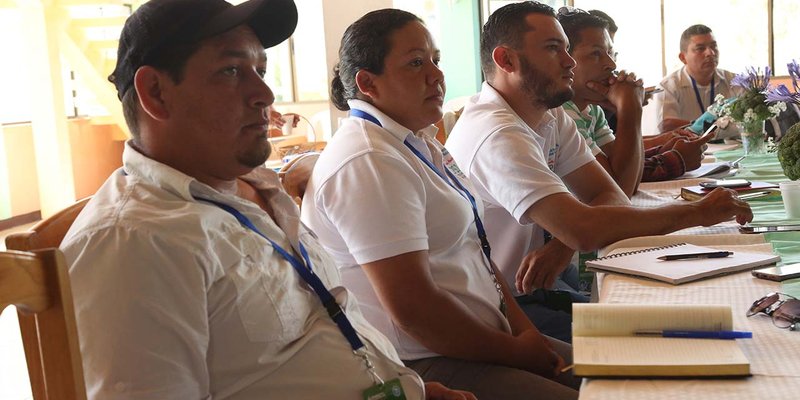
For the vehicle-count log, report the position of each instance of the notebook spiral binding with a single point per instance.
(628, 253)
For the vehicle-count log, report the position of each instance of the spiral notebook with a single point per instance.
(645, 263)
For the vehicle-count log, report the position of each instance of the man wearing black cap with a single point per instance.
(192, 275)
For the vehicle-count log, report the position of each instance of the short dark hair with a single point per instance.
(365, 45)
(506, 26)
(173, 62)
(612, 26)
(575, 23)
(693, 30)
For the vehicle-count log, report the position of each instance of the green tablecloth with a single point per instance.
(770, 211)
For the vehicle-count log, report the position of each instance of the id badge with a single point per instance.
(390, 390)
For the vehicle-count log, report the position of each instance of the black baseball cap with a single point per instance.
(159, 26)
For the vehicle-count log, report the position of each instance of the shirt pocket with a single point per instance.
(272, 306)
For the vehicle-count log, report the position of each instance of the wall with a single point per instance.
(22, 184)
(95, 154)
(337, 16)
(460, 36)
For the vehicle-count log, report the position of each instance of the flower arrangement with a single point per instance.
(788, 148)
(751, 106)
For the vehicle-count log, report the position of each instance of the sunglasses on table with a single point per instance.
(783, 308)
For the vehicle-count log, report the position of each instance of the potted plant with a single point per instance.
(750, 109)
(788, 148)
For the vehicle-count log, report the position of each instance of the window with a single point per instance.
(490, 6)
(638, 40)
(301, 56)
(15, 100)
(740, 28)
(786, 31)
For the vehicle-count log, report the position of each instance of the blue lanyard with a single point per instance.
(487, 249)
(697, 94)
(308, 275)
(458, 187)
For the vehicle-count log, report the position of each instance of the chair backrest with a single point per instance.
(38, 285)
(46, 234)
(295, 175)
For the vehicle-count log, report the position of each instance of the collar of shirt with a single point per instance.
(488, 94)
(417, 139)
(586, 113)
(390, 125)
(264, 180)
(685, 80)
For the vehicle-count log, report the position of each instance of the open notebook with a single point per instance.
(604, 341)
(709, 170)
(645, 263)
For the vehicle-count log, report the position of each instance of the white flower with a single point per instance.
(750, 115)
(777, 108)
(723, 122)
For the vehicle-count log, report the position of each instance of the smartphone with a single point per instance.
(652, 90)
(778, 274)
(711, 129)
(725, 183)
(767, 229)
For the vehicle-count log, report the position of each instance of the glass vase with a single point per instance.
(753, 137)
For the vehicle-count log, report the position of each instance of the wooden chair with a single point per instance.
(38, 285)
(46, 234)
(295, 174)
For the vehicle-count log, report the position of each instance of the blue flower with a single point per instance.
(782, 93)
(752, 79)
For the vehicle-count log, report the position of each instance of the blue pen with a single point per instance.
(697, 334)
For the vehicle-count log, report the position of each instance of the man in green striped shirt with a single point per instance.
(622, 154)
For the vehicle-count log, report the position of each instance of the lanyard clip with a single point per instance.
(362, 354)
(333, 308)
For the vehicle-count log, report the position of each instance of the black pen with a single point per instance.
(711, 254)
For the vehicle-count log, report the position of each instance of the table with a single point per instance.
(774, 353)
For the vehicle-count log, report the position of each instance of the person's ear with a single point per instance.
(682, 57)
(365, 81)
(149, 84)
(505, 59)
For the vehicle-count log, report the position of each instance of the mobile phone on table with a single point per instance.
(768, 229)
(725, 183)
(778, 274)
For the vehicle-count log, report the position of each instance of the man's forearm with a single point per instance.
(444, 325)
(589, 227)
(628, 151)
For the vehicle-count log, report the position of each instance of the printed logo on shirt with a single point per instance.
(450, 163)
(551, 158)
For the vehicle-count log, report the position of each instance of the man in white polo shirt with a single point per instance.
(533, 170)
(191, 272)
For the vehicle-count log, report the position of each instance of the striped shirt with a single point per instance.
(592, 125)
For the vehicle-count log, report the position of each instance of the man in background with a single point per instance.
(689, 91)
(619, 150)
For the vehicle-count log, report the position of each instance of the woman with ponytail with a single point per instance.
(390, 204)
